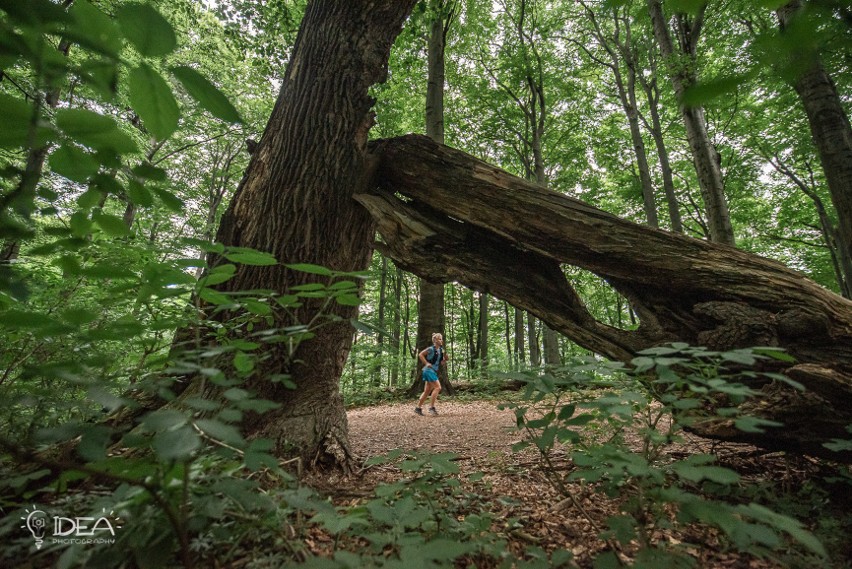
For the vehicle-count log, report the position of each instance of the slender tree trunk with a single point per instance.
(397, 317)
(620, 51)
(656, 130)
(380, 341)
(704, 155)
(295, 202)
(832, 135)
(508, 334)
(483, 334)
(532, 337)
(520, 352)
(627, 94)
(431, 308)
(830, 233)
(550, 340)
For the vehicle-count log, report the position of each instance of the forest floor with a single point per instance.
(527, 510)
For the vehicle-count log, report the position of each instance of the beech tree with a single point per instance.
(682, 73)
(831, 131)
(431, 306)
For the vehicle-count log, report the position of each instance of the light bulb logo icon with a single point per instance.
(36, 522)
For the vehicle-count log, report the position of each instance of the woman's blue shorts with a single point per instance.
(429, 374)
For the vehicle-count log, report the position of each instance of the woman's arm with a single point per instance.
(422, 357)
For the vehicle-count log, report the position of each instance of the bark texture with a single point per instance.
(832, 135)
(704, 155)
(295, 202)
(430, 318)
(500, 234)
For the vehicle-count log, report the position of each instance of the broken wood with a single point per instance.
(447, 216)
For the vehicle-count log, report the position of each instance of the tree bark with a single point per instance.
(397, 317)
(431, 308)
(483, 334)
(520, 352)
(704, 155)
(550, 339)
(295, 202)
(656, 130)
(620, 50)
(832, 135)
(681, 288)
(380, 341)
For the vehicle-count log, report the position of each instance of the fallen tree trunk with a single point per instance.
(461, 219)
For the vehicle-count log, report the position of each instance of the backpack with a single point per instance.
(434, 356)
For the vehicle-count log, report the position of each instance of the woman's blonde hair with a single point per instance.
(438, 335)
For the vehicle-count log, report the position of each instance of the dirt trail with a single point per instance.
(475, 430)
(482, 436)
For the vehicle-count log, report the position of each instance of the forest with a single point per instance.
(229, 231)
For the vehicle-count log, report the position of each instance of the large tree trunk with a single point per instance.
(832, 135)
(295, 202)
(704, 154)
(500, 234)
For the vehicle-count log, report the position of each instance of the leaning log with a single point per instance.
(447, 216)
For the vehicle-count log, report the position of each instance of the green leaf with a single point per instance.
(220, 431)
(34, 12)
(107, 184)
(149, 172)
(93, 442)
(17, 115)
(309, 268)
(214, 297)
(704, 92)
(149, 32)
(94, 29)
(139, 194)
(347, 300)
(176, 445)
(686, 6)
(171, 201)
(164, 419)
(73, 163)
(107, 271)
(251, 257)
(744, 357)
(838, 445)
(89, 199)
(94, 130)
(642, 363)
(774, 353)
(755, 424)
(207, 95)
(236, 394)
(153, 100)
(110, 224)
(80, 224)
(712, 473)
(243, 362)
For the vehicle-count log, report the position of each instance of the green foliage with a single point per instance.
(606, 413)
